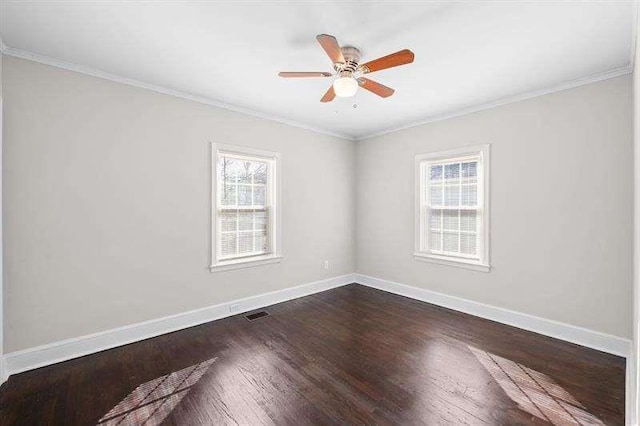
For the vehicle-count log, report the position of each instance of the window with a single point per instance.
(452, 214)
(245, 209)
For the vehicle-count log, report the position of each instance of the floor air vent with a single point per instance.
(257, 315)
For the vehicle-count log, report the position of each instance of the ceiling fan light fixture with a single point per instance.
(346, 63)
(345, 87)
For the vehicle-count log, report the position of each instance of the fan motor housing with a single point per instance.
(351, 59)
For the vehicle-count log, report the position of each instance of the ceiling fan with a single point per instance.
(346, 63)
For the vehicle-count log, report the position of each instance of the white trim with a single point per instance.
(481, 153)
(23, 54)
(245, 150)
(3, 373)
(470, 151)
(458, 263)
(245, 263)
(628, 389)
(274, 195)
(617, 72)
(35, 57)
(567, 332)
(52, 353)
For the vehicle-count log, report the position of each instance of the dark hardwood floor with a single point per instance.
(352, 355)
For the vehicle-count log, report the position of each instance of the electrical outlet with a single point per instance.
(234, 308)
(325, 265)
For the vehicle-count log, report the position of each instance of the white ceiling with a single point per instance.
(467, 54)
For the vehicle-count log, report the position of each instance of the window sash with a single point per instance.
(425, 243)
(426, 184)
(267, 209)
(239, 231)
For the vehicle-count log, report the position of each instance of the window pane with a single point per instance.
(228, 170)
(450, 220)
(260, 242)
(259, 195)
(452, 195)
(469, 195)
(469, 221)
(435, 241)
(228, 244)
(452, 173)
(470, 171)
(244, 195)
(245, 222)
(245, 171)
(468, 244)
(436, 195)
(435, 173)
(434, 219)
(260, 171)
(228, 221)
(450, 242)
(228, 196)
(245, 243)
(261, 221)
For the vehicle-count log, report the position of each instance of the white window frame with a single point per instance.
(481, 151)
(274, 226)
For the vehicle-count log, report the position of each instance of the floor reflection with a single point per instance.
(151, 402)
(534, 392)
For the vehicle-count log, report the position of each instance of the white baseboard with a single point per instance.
(570, 333)
(3, 372)
(40, 356)
(629, 391)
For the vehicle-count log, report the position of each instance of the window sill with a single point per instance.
(245, 263)
(459, 263)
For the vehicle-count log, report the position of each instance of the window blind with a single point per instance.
(451, 211)
(243, 206)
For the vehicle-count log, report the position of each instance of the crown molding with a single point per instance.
(46, 60)
(508, 100)
(528, 95)
(23, 54)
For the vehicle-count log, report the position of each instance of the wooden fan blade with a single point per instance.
(329, 96)
(375, 87)
(395, 59)
(331, 46)
(304, 74)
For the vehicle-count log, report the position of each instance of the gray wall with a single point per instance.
(633, 365)
(561, 206)
(2, 370)
(106, 192)
(107, 204)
